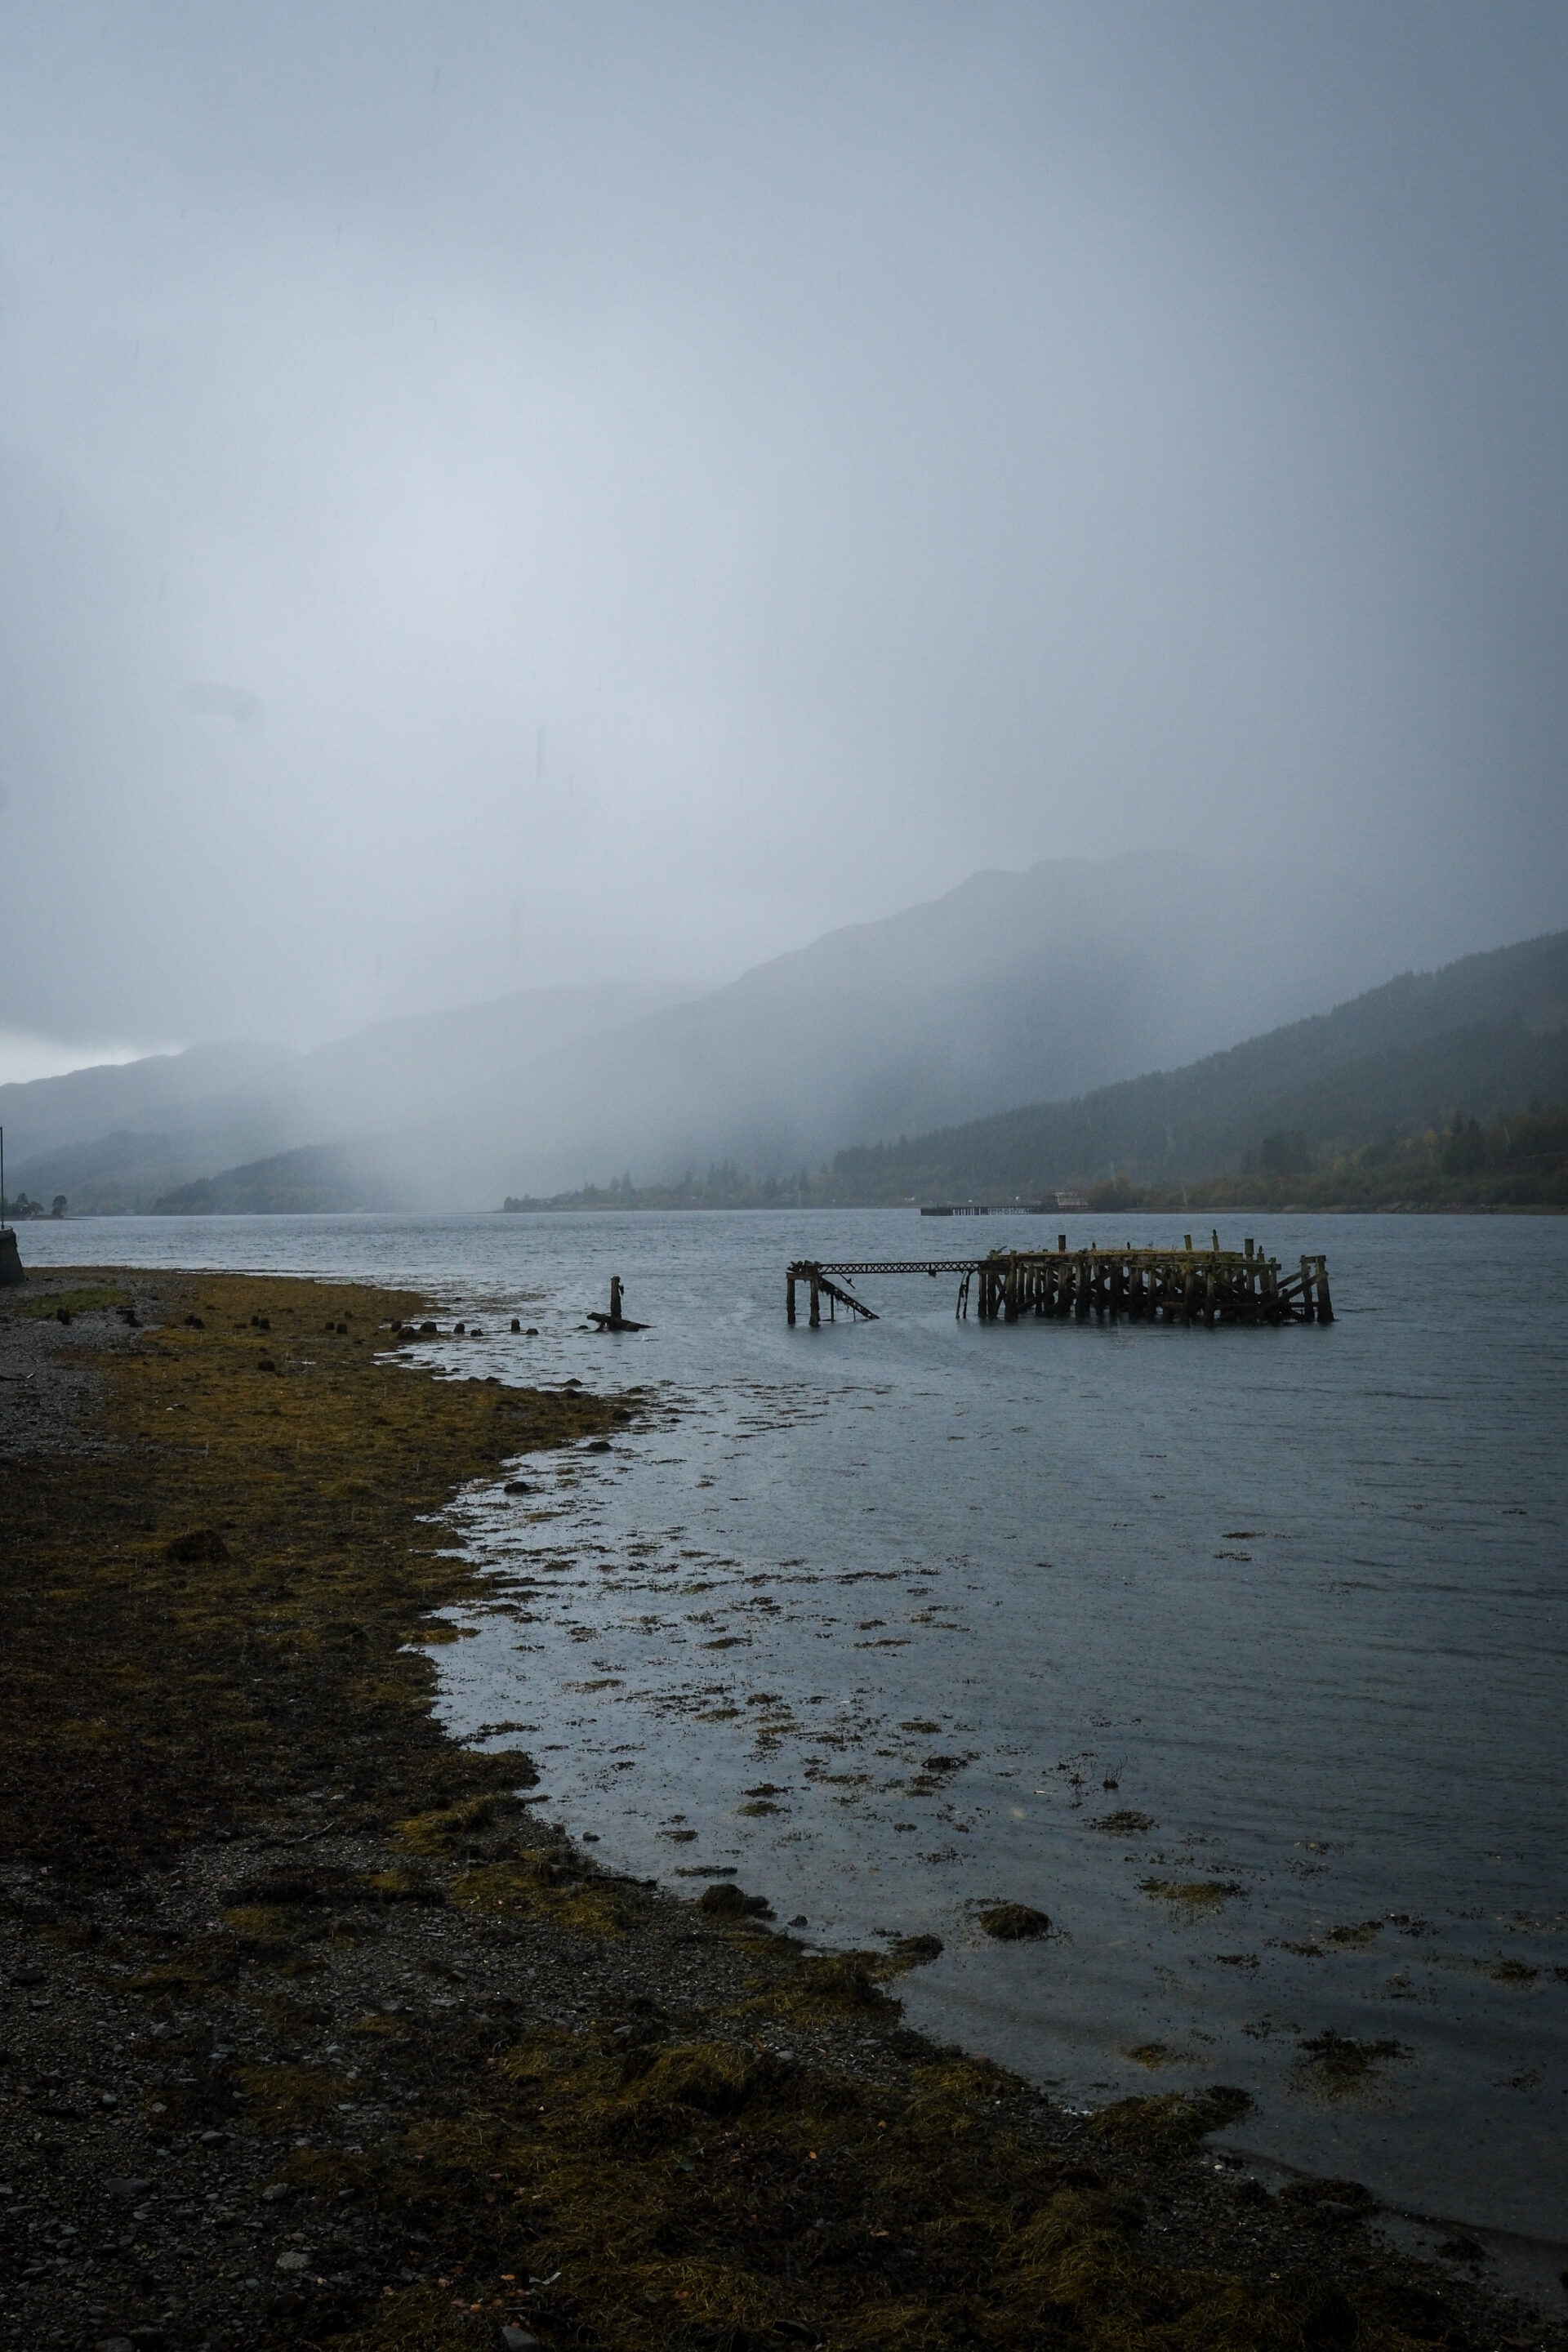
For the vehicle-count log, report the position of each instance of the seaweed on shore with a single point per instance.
(549, 2099)
(216, 1609)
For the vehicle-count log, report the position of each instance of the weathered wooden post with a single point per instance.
(615, 1297)
(815, 1302)
(1309, 1307)
(1081, 1287)
(789, 1294)
(1325, 1304)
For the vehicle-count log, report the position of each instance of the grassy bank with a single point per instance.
(318, 2036)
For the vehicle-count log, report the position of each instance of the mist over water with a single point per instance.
(915, 1591)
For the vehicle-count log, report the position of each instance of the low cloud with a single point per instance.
(209, 700)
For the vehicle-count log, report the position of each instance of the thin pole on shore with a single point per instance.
(2, 1179)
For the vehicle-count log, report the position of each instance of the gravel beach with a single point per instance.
(316, 2033)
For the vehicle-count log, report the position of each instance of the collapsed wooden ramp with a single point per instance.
(1150, 1285)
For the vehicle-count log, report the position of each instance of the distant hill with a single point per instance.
(318, 1180)
(123, 1136)
(1010, 989)
(1483, 1036)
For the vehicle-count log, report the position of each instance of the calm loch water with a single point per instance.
(1240, 1653)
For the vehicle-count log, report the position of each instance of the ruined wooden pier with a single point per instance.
(1180, 1285)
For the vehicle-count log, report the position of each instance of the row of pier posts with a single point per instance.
(1183, 1285)
(1220, 1285)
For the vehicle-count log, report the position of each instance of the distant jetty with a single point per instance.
(1072, 1202)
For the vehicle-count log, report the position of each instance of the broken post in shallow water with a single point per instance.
(1128, 1285)
(821, 1286)
(614, 1320)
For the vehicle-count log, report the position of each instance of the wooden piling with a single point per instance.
(1148, 1285)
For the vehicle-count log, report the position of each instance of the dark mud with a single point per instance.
(313, 2035)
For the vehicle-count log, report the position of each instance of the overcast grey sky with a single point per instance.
(493, 494)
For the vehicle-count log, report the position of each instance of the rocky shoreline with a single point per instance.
(314, 2033)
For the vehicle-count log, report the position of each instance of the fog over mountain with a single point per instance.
(502, 497)
(119, 1136)
(1012, 989)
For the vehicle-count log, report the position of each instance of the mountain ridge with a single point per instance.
(1371, 1067)
(1009, 989)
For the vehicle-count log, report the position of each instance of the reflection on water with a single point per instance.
(1237, 1653)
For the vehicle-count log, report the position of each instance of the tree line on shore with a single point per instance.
(21, 1209)
(1516, 1160)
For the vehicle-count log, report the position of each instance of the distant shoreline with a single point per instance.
(575, 1204)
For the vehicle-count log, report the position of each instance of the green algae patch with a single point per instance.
(1358, 1936)
(531, 1885)
(731, 1903)
(706, 2196)
(1193, 1898)
(1015, 1923)
(833, 1984)
(1152, 2055)
(1163, 2129)
(92, 1299)
(1333, 2067)
(907, 1952)
(214, 1607)
(446, 1829)
(406, 1883)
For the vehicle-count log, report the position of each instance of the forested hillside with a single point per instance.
(1377, 1083)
